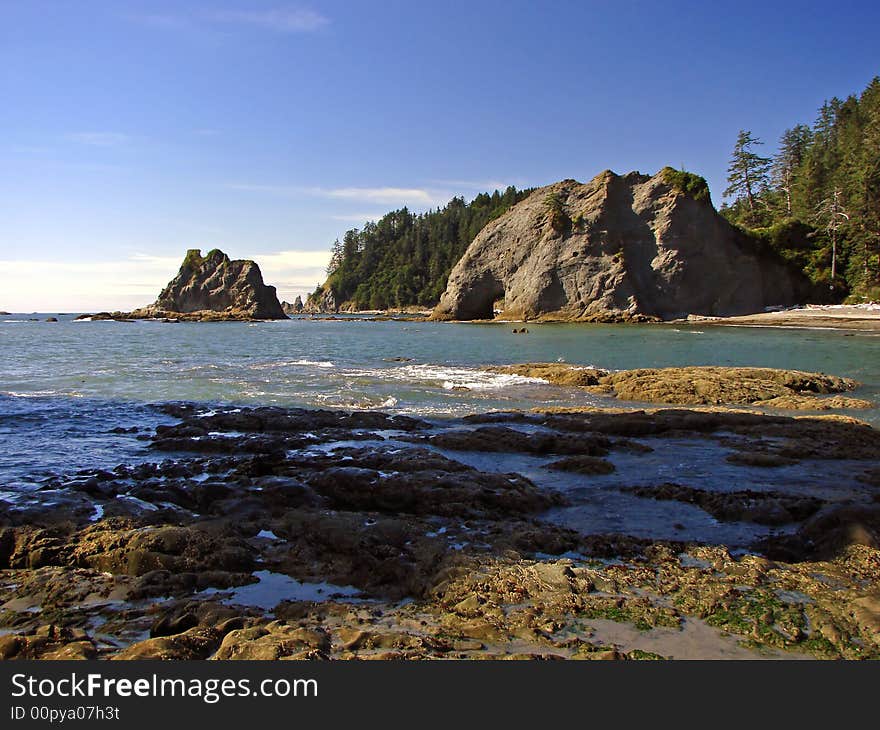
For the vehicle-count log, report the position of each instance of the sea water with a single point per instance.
(68, 389)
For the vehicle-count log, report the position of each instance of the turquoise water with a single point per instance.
(347, 363)
(64, 385)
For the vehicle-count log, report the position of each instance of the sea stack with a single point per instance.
(213, 287)
(295, 308)
(617, 248)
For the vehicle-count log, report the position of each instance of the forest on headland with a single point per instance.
(404, 259)
(815, 202)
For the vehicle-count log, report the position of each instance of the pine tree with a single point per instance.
(335, 257)
(833, 216)
(793, 147)
(404, 259)
(748, 172)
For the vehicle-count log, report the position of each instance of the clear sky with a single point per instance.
(131, 131)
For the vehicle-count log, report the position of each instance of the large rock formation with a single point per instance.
(214, 287)
(321, 301)
(617, 248)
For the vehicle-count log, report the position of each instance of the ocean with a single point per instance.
(78, 394)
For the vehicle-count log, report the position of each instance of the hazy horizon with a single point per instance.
(135, 131)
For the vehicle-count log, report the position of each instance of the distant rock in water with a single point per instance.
(295, 308)
(214, 287)
(618, 248)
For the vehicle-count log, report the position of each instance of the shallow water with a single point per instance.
(273, 588)
(64, 385)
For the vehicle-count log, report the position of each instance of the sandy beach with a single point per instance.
(863, 317)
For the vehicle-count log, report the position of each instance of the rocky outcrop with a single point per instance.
(295, 308)
(618, 248)
(282, 544)
(321, 301)
(702, 385)
(215, 287)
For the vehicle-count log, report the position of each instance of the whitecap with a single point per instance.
(450, 377)
(40, 393)
(326, 364)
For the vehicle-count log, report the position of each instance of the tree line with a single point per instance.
(404, 259)
(816, 201)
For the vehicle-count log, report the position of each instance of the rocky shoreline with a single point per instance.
(268, 533)
(856, 318)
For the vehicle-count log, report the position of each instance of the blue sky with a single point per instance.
(132, 131)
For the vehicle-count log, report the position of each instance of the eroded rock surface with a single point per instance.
(703, 385)
(215, 287)
(618, 248)
(266, 533)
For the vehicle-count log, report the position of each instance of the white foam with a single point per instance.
(268, 534)
(450, 377)
(325, 364)
(40, 393)
(99, 513)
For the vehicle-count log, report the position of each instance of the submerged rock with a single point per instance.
(619, 248)
(764, 508)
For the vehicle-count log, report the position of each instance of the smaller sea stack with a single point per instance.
(215, 287)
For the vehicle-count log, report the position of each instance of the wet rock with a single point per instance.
(503, 439)
(48, 641)
(583, 465)
(121, 548)
(388, 556)
(168, 625)
(757, 458)
(467, 549)
(765, 508)
(713, 385)
(555, 373)
(271, 641)
(464, 493)
(828, 534)
(763, 387)
(812, 403)
(197, 643)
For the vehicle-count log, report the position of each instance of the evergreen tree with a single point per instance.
(748, 172)
(832, 215)
(335, 257)
(822, 207)
(404, 259)
(793, 147)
